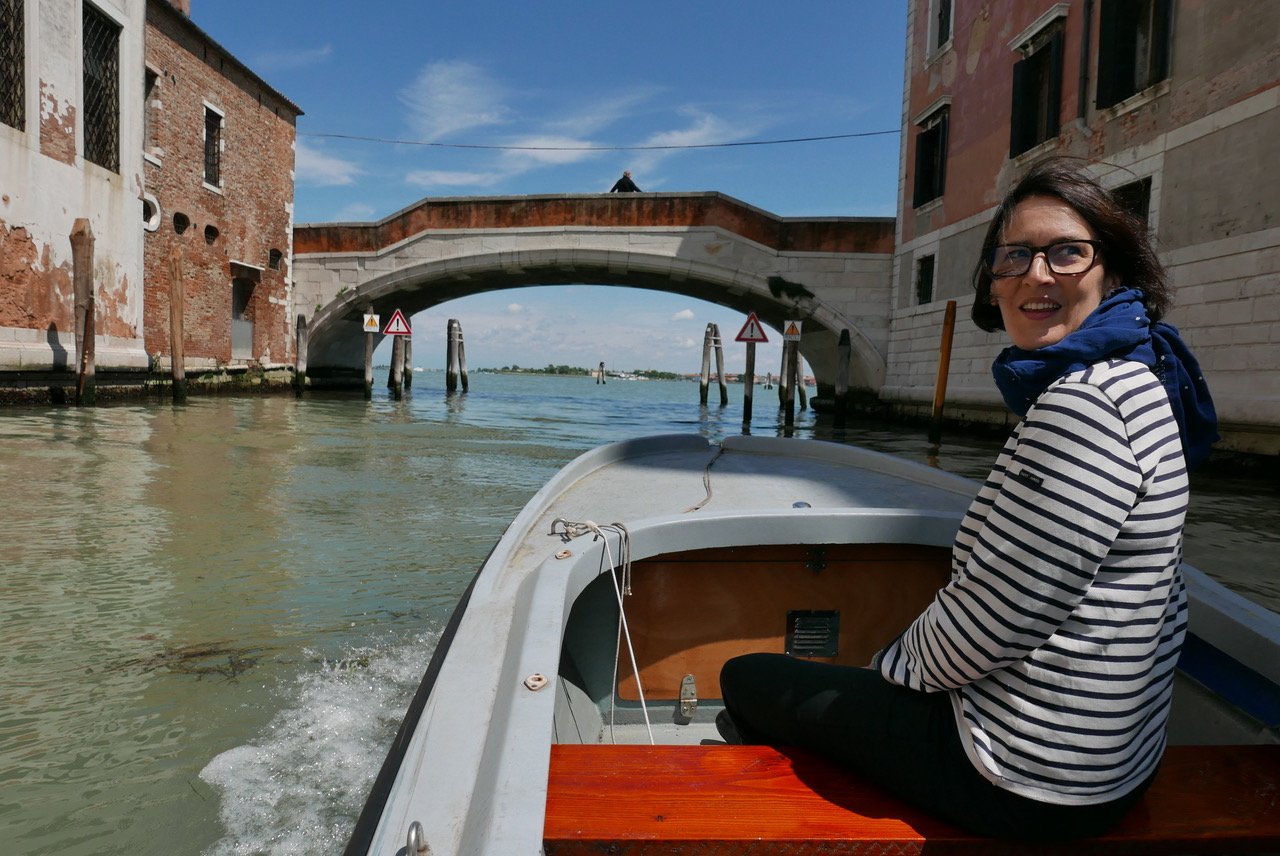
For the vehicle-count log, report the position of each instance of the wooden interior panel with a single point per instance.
(692, 611)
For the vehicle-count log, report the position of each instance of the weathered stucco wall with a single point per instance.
(45, 185)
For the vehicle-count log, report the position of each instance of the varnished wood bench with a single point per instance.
(756, 800)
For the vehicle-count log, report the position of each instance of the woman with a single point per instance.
(1030, 699)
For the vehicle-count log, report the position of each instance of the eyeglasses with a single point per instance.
(1064, 257)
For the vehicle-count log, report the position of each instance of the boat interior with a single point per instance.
(655, 677)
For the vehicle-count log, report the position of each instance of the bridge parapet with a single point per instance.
(833, 272)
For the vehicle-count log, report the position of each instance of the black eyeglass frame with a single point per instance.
(1035, 251)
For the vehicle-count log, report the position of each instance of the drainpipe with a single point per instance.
(1082, 102)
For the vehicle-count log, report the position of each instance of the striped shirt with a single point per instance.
(1058, 633)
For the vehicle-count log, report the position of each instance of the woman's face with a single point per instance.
(1041, 307)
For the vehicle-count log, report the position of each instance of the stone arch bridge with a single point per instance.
(832, 272)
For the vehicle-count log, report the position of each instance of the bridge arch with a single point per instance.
(833, 273)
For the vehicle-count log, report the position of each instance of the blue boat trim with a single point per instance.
(1244, 688)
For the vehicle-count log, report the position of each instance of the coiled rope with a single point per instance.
(573, 529)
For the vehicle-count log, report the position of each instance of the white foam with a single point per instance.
(298, 788)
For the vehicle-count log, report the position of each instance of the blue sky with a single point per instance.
(580, 74)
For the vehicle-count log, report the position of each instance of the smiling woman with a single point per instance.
(1030, 699)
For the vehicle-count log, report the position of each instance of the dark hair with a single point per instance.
(1126, 250)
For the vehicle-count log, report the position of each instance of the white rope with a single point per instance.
(572, 530)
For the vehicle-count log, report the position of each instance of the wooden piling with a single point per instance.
(85, 332)
(944, 368)
(451, 356)
(784, 373)
(802, 392)
(843, 350)
(300, 355)
(705, 378)
(786, 383)
(368, 360)
(408, 362)
(462, 358)
(177, 329)
(719, 346)
(395, 377)
(600, 376)
(748, 384)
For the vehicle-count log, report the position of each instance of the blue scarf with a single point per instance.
(1118, 329)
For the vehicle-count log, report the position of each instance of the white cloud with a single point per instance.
(548, 150)
(515, 308)
(429, 178)
(683, 315)
(451, 96)
(313, 167)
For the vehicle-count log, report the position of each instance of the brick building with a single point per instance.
(219, 152)
(1174, 103)
(70, 149)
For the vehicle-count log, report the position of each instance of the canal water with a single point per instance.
(214, 615)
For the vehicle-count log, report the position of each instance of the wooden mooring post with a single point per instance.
(748, 384)
(177, 330)
(944, 368)
(843, 350)
(300, 355)
(408, 362)
(395, 377)
(455, 358)
(704, 379)
(786, 383)
(718, 344)
(368, 360)
(85, 333)
(600, 376)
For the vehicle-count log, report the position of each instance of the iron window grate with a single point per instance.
(212, 147)
(101, 89)
(12, 61)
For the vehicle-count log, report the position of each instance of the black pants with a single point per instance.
(904, 741)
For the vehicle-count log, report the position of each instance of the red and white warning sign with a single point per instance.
(791, 331)
(752, 331)
(398, 325)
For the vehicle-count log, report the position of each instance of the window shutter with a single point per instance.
(943, 131)
(1054, 107)
(921, 194)
(1162, 39)
(1019, 112)
(1108, 55)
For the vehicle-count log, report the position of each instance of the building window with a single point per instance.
(13, 90)
(1037, 93)
(940, 24)
(924, 280)
(1133, 47)
(148, 110)
(212, 147)
(274, 258)
(931, 158)
(241, 319)
(1135, 197)
(101, 48)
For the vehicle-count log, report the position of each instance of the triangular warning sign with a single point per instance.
(397, 326)
(791, 331)
(752, 331)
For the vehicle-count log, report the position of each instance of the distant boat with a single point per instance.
(757, 544)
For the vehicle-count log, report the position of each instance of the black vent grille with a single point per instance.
(813, 632)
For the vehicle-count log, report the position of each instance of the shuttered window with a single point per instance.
(1037, 95)
(1134, 43)
(931, 159)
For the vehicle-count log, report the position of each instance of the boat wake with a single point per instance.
(298, 788)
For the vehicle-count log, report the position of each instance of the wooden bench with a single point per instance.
(756, 800)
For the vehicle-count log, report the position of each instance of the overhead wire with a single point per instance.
(630, 148)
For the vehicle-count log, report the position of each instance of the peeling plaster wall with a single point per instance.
(45, 185)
